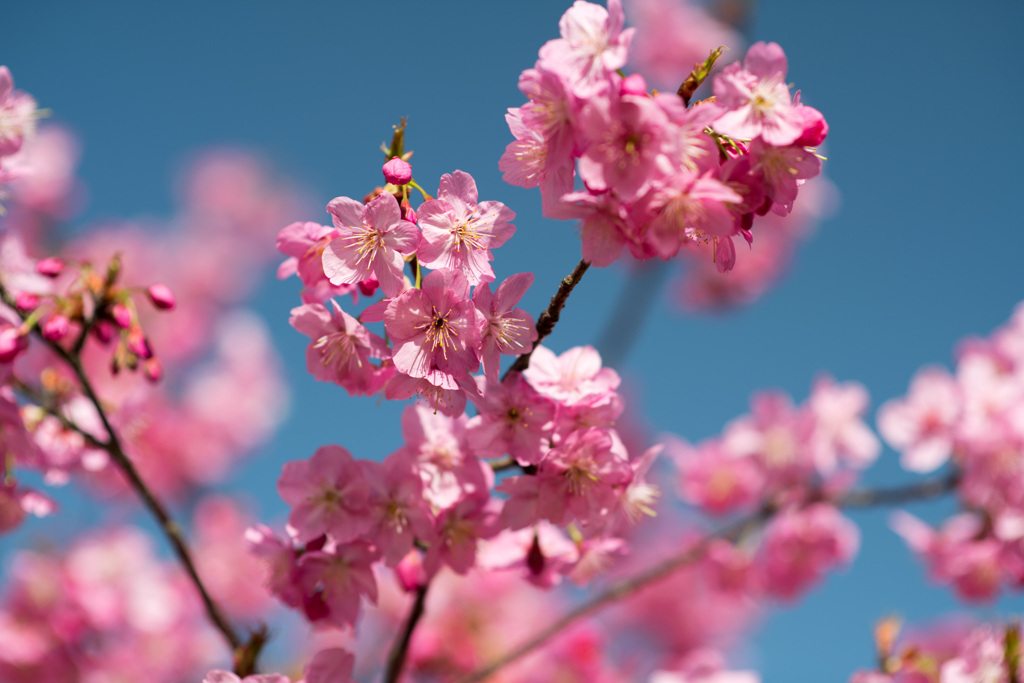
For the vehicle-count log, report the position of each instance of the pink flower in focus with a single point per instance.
(757, 98)
(341, 348)
(508, 330)
(371, 243)
(459, 232)
(436, 330)
(513, 418)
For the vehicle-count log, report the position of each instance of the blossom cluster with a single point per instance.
(792, 460)
(970, 421)
(658, 177)
(951, 653)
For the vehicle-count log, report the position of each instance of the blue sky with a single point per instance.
(924, 104)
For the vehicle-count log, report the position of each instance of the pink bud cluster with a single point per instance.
(972, 420)
(658, 177)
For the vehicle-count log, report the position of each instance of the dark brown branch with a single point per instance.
(172, 531)
(396, 658)
(862, 498)
(546, 321)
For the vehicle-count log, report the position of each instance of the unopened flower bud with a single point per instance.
(137, 343)
(103, 331)
(368, 287)
(26, 301)
(153, 369)
(50, 267)
(161, 296)
(410, 571)
(121, 315)
(815, 127)
(55, 328)
(633, 84)
(409, 213)
(12, 343)
(397, 172)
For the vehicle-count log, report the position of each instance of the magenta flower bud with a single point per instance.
(409, 213)
(161, 296)
(122, 316)
(26, 302)
(368, 287)
(103, 331)
(397, 172)
(633, 84)
(12, 343)
(137, 343)
(55, 328)
(153, 369)
(50, 267)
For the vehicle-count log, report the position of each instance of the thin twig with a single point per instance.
(546, 321)
(858, 499)
(396, 658)
(113, 447)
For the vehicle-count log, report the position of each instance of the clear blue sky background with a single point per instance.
(924, 101)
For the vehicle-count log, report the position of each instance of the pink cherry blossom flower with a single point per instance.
(371, 243)
(690, 207)
(532, 160)
(457, 530)
(398, 511)
(280, 561)
(716, 479)
(335, 579)
(17, 115)
(508, 330)
(839, 432)
(513, 418)
(783, 170)
(341, 348)
(921, 425)
(436, 330)
(800, 546)
(579, 480)
(593, 45)
(757, 98)
(459, 232)
(630, 144)
(327, 494)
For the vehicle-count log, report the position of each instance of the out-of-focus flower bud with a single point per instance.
(55, 328)
(50, 267)
(161, 296)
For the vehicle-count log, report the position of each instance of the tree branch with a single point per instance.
(862, 498)
(396, 657)
(549, 317)
(171, 530)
